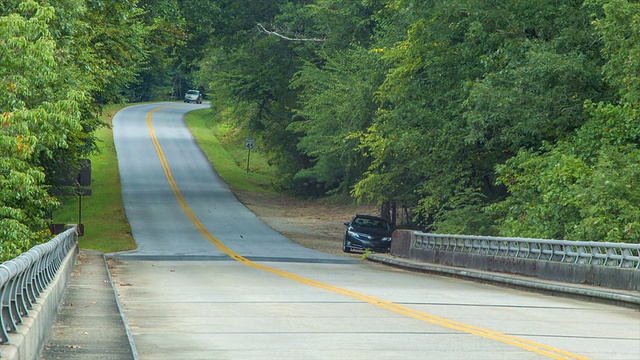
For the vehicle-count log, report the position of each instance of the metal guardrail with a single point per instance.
(24, 278)
(621, 255)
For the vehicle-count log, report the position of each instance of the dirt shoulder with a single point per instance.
(313, 224)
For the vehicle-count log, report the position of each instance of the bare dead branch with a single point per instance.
(265, 31)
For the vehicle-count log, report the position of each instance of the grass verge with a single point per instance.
(105, 224)
(229, 156)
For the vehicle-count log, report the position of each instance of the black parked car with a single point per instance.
(366, 232)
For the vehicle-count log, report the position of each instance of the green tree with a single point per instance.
(335, 105)
(38, 113)
(471, 83)
(179, 33)
(336, 87)
(250, 71)
(58, 64)
(585, 187)
(415, 142)
(582, 188)
(116, 41)
(167, 35)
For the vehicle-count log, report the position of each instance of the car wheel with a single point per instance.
(345, 248)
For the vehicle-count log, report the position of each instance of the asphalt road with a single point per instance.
(210, 281)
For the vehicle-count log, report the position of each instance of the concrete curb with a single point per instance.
(588, 293)
(88, 324)
(127, 329)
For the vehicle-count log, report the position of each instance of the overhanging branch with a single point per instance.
(265, 31)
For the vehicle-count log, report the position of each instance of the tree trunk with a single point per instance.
(388, 211)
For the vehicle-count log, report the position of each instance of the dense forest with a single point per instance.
(489, 117)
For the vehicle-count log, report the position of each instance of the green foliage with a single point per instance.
(36, 101)
(229, 155)
(418, 103)
(558, 195)
(105, 225)
(250, 73)
(336, 102)
(536, 99)
(609, 208)
(416, 144)
(483, 117)
(166, 35)
(465, 219)
(116, 36)
(178, 34)
(37, 114)
(619, 27)
(58, 62)
(544, 193)
(584, 187)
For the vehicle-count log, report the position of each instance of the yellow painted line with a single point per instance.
(525, 344)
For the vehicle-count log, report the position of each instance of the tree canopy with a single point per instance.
(59, 62)
(481, 117)
(471, 116)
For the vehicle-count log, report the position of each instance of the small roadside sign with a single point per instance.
(250, 143)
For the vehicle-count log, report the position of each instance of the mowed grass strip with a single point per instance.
(228, 154)
(105, 224)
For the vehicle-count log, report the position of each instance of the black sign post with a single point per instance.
(77, 184)
(84, 181)
(249, 143)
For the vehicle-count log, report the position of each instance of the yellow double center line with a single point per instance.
(400, 309)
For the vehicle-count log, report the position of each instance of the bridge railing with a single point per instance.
(621, 255)
(23, 279)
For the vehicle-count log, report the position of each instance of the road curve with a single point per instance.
(211, 281)
(159, 225)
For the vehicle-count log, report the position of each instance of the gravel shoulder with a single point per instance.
(313, 224)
